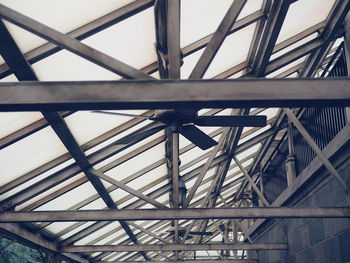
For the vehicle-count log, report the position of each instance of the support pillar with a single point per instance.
(225, 254)
(261, 181)
(290, 162)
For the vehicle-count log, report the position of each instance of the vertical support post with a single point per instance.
(175, 167)
(175, 181)
(261, 181)
(234, 231)
(226, 253)
(173, 38)
(290, 162)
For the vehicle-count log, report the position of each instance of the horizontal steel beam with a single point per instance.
(172, 214)
(191, 261)
(167, 94)
(172, 247)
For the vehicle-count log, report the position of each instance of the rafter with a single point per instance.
(63, 132)
(164, 191)
(84, 31)
(126, 188)
(217, 39)
(334, 22)
(205, 168)
(269, 37)
(71, 44)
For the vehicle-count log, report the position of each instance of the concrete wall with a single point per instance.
(312, 240)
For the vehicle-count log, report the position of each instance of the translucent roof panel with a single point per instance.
(228, 54)
(189, 63)
(51, 13)
(130, 41)
(24, 182)
(138, 162)
(315, 11)
(14, 121)
(297, 44)
(86, 125)
(55, 68)
(136, 49)
(69, 199)
(98, 233)
(10, 78)
(51, 190)
(198, 26)
(30, 152)
(286, 67)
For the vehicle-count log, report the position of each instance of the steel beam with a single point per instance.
(64, 174)
(317, 150)
(217, 39)
(63, 132)
(259, 29)
(126, 188)
(341, 140)
(333, 59)
(71, 44)
(251, 182)
(171, 247)
(293, 55)
(18, 64)
(170, 214)
(296, 38)
(329, 33)
(91, 229)
(84, 31)
(13, 56)
(174, 94)
(173, 38)
(269, 37)
(191, 261)
(205, 168)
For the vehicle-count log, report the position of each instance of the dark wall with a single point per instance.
(312, 240)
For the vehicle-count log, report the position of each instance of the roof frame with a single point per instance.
(221, 160)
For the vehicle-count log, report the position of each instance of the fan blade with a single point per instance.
(123, 114)
(197, 137)
(137, 136)
(231, 121)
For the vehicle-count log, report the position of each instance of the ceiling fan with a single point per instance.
(185, 122)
